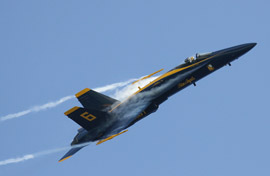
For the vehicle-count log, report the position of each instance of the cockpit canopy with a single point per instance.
(193, 59)
(202, 55)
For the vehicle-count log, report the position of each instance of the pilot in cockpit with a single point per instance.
(190, 59)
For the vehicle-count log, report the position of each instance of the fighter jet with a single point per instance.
(102, 118)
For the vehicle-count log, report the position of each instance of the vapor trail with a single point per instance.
(31, 156)
(61, 100)
(122, 93)
(36, 108)
(16, 160)
(38, 154)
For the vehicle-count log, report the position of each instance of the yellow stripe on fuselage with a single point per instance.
(161, 77)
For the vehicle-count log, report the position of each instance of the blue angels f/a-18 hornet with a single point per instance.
(103, 118)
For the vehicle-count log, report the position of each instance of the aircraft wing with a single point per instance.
(70, 153)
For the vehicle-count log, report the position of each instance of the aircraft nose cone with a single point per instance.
(240, 50)
(249, 46)
(230, 54)
(253, 44)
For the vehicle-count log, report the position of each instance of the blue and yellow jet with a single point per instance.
(103, 118)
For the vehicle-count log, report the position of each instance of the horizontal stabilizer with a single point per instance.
(70, 153)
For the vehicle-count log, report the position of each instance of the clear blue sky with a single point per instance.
(51, 49)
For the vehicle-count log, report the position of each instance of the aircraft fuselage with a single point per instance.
(148, 98)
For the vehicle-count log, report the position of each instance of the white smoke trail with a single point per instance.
(60, 101)
(36, 108)
(31, 156)
(38, 154)
(114, 86)
(16, 160)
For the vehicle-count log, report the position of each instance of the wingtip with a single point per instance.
(64, 159)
